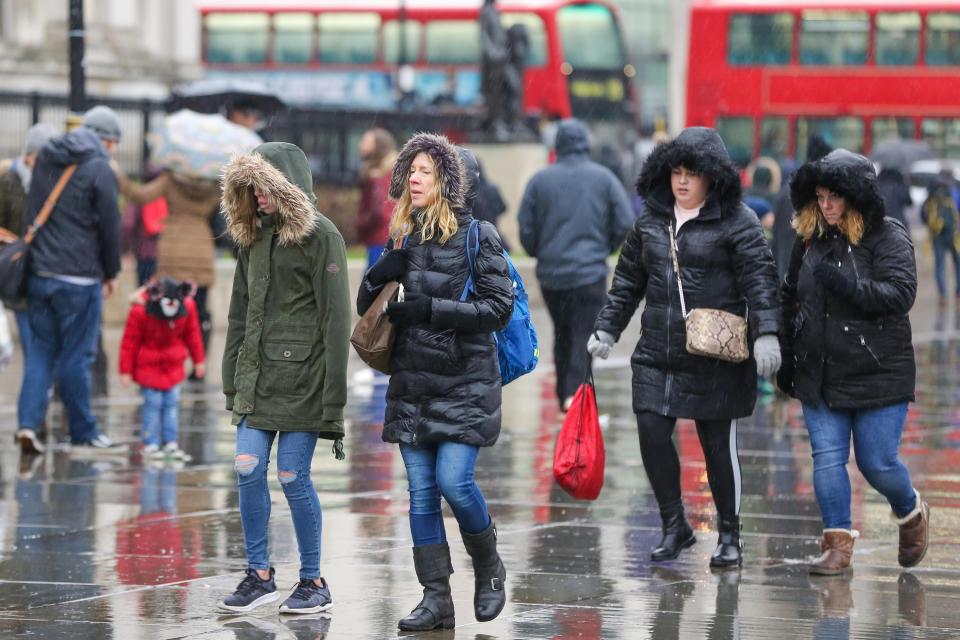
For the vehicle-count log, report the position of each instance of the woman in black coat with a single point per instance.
(691, 189)
(443, 401)
(849, 354)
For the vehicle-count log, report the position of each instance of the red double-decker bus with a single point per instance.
(348, 53)
(769, 74)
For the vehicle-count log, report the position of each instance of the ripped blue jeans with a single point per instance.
(294, 455)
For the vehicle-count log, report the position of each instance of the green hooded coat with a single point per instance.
(285, 361)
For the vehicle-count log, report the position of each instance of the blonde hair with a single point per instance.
(436, 217)
(809, 221)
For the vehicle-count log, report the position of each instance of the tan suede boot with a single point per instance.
(837, 548)
(914, 534)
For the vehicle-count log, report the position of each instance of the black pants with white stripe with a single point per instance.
(718, 438)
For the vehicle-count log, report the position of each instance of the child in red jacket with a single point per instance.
(162, 329)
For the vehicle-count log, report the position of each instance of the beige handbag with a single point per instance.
(712, 333)
(374, 334)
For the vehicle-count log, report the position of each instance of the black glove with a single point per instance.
(785, 374)
(831, 278)
(390, 266)
(415, 309)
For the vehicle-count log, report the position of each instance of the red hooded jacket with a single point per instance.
(153, 350)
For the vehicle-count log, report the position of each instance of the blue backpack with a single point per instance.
(517, 342)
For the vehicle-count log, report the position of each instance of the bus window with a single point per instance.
(237, 38)
(453, 42)
(883, 128)
(737, 134)
(943, 136)
(536, 34)
(590, 38)
(293, 38)
(349, 38)
(845, 132)
(759, 38)
(391, 41)
(943, 39)
(834, 37)
(774, 137)
(898, 38)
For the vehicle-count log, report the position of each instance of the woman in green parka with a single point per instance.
(285, 360)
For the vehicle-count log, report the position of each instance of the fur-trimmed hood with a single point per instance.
(846, 173)
(698, 149)
(445, 157)
(281, 170)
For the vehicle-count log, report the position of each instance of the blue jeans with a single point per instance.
(445, 469)
(65, 322)
(294, 455)
(876, 440)
(161, 415)
(940, 252)
(23, 328)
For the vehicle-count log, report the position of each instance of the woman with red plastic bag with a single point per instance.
(692, 209)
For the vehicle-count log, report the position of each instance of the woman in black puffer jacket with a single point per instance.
(443, 401)
(690, 185)
(847, 344)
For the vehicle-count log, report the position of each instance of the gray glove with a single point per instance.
(766, 351)
(600, 344)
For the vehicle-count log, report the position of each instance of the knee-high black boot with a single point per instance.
(489, 573)
(435, 611)
(729, 552)
(677, 533)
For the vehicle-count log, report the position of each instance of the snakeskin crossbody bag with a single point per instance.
(712, 333)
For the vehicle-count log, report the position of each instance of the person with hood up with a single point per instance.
(285, 358)
(573, 215)
(443, 400)
(693, 202)
(74, 262)
(847, 344)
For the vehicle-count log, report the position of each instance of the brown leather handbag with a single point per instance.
(373, 336)
(712, 333)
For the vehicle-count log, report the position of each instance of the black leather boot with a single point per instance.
(489, 573)
(729, 551)
(435, 611)
(677, 533)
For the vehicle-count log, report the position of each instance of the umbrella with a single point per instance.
(198, 144)
(896, 153)
(214, 95)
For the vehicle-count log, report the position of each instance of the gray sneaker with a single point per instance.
(307, 597)
(251, 593)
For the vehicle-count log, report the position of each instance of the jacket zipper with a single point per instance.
(669, 383)
(863, 343)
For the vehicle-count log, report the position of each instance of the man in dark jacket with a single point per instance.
(74, 263)
(573, 215)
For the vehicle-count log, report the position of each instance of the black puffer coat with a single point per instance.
(857, 352)
(724, 263)
(445, 381)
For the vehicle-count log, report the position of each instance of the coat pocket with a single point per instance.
(286, 367)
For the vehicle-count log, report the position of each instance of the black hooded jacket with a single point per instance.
(724, 264)
(82, 236)
(853, 352)
(445, 380)
(573, 215)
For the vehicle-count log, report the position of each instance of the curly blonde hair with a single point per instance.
(809, 222)
(436, 218)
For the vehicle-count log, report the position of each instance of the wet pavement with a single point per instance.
(105, 545)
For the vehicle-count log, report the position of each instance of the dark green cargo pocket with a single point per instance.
(285, 368)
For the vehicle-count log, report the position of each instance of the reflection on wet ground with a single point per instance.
(98, 546)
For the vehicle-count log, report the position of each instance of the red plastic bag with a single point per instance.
(579, 457)
(154, 215)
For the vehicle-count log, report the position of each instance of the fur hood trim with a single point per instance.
(846, 173)
(698, 149)
(448, 163)
(297, 216)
